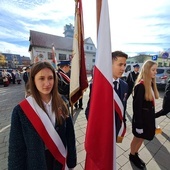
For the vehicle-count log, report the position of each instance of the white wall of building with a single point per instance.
(43, 54)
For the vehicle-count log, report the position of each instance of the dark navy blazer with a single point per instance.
(123, 88)
(123, 91)
(26, 148)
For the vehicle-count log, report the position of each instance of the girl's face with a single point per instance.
(44, 81)
(153, 71)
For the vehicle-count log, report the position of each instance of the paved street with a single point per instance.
(156, 153)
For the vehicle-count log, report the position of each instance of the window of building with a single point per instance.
(62, 56)
(159, 64)
(93, 60)
(91, 48)
(87, 47)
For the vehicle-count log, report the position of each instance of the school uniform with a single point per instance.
(143, 114)
(25, 77)
(122, 90)
(131, 81)
(29, 150)
(63, 83)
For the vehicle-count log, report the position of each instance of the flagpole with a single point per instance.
(98, 10)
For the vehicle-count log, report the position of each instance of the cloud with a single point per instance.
(17, 18)
(135, 25)
(13, 48)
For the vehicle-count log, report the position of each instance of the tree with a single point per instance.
(3, 61)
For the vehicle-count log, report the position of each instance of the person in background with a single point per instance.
(13, 76)
(79, 104)
(42, 133)
(5, 78)
(120, 86)
(26, 75)
(18, 77)
(88, 103)
(143, 120)
(166, 102)
(132, 78)
(64, 79)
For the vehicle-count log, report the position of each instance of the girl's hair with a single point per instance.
(27, 90)
(58, 105)
(148, 81)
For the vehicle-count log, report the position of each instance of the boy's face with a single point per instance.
(118, 67)
(66, 68)
(136, 69)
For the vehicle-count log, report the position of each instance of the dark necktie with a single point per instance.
(115, 86)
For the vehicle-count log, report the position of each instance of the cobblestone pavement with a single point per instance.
(9, 97)
(156, 153)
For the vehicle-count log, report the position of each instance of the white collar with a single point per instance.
(116, 80)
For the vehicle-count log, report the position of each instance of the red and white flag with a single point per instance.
(100, 140)
(54, 62)
(78, 79)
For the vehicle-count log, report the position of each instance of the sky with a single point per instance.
(136, 25)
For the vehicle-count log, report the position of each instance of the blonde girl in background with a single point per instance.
(143, 122)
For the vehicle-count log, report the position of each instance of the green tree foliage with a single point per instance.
(3, 61)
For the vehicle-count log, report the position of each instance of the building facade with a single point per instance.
(161, 61)
(41, 47)
(13, 61)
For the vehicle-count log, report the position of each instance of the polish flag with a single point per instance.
(100, 140)
(78, 79)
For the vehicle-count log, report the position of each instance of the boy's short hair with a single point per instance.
(117, 54)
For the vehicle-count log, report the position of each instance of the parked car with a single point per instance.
(162, 76)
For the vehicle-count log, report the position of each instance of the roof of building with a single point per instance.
(45, 40)
(25, 58)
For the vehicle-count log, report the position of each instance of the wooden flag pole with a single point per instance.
(98, 11)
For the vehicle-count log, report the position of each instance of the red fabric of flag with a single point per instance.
(100, 134)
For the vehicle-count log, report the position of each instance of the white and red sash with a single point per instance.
(45, 129)
(65, 76)
(120, 110)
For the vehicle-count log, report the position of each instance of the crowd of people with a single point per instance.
(13, 77)
(42, 131)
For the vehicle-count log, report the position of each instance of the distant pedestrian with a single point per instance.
(26, 75)
(5, 78)
(132, 78)
(88, 103)
(18, 77)
(143, 120)
(13, 76)
(79, 104)
(64, 79)
(42, 133)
